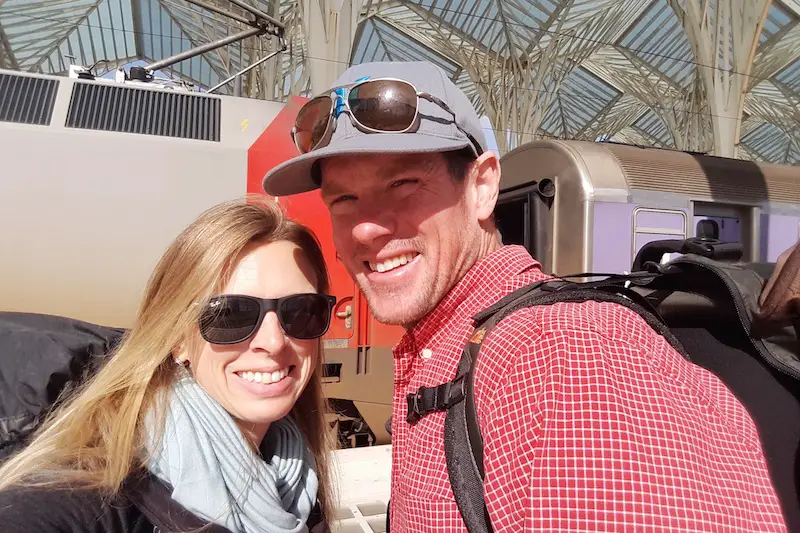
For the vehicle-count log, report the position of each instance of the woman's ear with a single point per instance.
(180, 354)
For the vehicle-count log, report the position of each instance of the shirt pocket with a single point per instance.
(433, 515)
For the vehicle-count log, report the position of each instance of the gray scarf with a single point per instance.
(216, 475)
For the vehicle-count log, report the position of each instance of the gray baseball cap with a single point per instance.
(436, 132)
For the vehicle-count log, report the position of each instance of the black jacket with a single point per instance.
(144, 505)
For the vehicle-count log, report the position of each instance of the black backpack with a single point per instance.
(705, 305)
(42, 358)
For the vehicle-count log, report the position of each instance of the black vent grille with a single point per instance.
(27, 100)
(150, 112)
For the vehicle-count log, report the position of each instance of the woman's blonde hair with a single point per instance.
(95, 439)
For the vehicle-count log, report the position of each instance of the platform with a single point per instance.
(363, 477)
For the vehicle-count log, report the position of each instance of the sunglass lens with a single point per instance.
(312, 122)
(305, 316)
(384, 105)
(229, 319)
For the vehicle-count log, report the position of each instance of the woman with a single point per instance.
(210, 412)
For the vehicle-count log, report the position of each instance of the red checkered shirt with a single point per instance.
(591, 421)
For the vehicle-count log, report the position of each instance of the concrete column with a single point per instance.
(724, 41)
(330, 27)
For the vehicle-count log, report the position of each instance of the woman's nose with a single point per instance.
(270, 336)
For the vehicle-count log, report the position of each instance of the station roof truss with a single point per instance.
(715, 76)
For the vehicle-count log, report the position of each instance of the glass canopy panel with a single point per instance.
(778, 18)
(771, 143)
(581, 98)
(493, 24)
(652, 126)
(659, 40)
(477, 19)
(36, 28)
(790, 78)
(370, 46)
(380, 42)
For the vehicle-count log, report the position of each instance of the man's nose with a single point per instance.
(270, 336)
(374, 225)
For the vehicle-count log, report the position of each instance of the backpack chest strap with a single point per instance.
(439, 398)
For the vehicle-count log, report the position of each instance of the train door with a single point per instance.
(524, 216)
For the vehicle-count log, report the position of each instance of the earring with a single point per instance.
(185, 363)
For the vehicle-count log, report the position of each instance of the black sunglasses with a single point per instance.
(233, 318)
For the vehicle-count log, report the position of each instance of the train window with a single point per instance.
(654, 224)
(731, 223)
(707, 229)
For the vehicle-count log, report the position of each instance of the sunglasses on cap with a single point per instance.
(233, 318)
(382, 105)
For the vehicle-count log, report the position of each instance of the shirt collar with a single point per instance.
(485, 283)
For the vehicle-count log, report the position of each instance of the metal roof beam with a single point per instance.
(623, 112)
(6, 52)
(138, 31)
(792, 5)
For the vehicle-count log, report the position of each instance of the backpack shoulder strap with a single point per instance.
(462, 436)
(463, 442)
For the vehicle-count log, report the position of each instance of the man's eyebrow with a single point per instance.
(425, 165)
(331, 190)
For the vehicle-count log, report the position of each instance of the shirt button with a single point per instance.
(427, 353)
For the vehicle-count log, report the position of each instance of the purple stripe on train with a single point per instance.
(620, 230)
(778, 233)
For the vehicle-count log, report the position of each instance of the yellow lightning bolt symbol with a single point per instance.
(244, 124)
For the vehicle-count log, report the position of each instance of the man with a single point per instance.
(590, 420)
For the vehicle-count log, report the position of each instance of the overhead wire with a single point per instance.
(468, 15)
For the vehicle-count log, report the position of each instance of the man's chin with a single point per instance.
(394, 311)
(407, 321)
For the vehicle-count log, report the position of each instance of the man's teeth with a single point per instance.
(391, 264)
(265, 377)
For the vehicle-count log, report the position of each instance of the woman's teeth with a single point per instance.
(265, 377)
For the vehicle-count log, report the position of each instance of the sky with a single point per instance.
(489, 132)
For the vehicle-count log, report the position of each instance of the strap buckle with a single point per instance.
(429, 399)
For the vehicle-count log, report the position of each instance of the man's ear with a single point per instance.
(486, 182)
